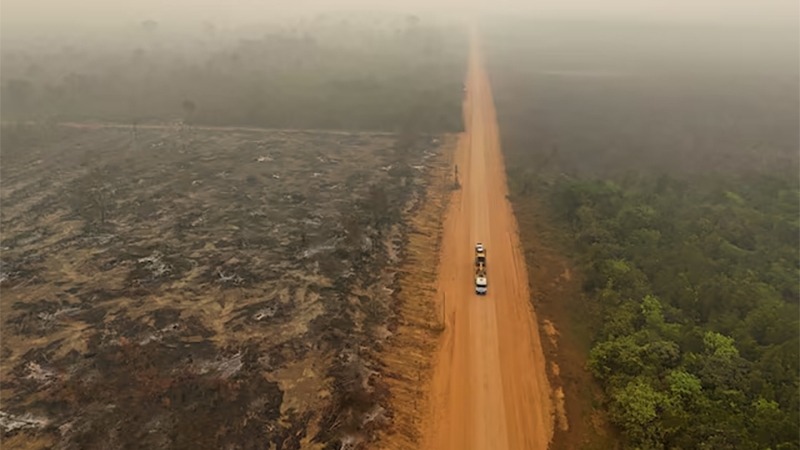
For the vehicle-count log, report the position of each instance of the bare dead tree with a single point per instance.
(135, 130)
(189, 108)
(93, 199)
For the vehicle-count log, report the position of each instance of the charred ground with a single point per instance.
(197, 289)
(170, 285)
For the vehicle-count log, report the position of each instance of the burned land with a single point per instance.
(172, 281)
(194, 288)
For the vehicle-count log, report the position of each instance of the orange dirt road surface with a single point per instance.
(489, 388)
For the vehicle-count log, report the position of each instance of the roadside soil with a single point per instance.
(490, 388)
(407, 356)
(568, 321)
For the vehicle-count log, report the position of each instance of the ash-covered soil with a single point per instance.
(197, 288)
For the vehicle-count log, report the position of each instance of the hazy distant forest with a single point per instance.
(668, 156)
(346, 71)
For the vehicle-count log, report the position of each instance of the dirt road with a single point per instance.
(489, 387)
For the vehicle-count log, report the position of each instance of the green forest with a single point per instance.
(697, 284)
(666, 173)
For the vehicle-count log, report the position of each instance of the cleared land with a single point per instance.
(190, 288)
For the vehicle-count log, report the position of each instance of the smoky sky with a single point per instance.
(42, 16)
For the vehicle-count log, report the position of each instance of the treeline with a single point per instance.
(329, 73)
(697, 282)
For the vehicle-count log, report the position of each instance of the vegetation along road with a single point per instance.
(489, 387)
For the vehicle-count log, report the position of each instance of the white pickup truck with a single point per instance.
(480, 283)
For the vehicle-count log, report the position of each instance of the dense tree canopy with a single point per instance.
(698, 284)
(690, 278)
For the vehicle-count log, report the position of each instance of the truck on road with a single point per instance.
(481, 283)
(480, 254)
